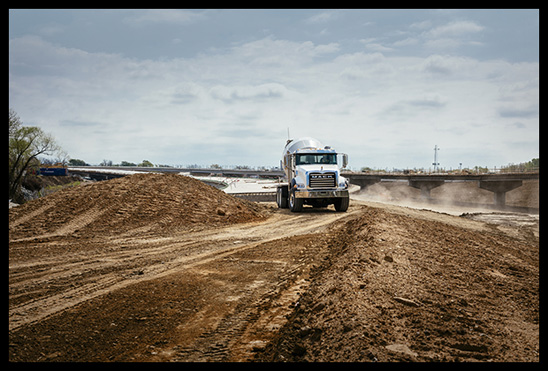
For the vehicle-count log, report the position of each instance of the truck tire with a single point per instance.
(295, 204)
(281, 197)
(341, 204)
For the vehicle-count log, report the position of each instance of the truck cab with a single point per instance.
(313, 176)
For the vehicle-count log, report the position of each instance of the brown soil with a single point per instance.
(408, 289)
(165, 268)
(149, 203)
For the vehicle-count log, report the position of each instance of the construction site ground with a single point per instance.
(155, 267)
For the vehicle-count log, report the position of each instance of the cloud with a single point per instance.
(446, 37)
(421, 25)
(449, 65)
(454, 29)
(322, 17)
(510, 112)
(170, 16)
(377, 47)
(406, 42)
(270, 48)
(518, 125)
(427, 102)
(256, 93)
(241, 131)
(438, 65)
(76, 123)
(408, 109)
(52, 29)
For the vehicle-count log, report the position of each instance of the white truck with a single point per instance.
(313, 176)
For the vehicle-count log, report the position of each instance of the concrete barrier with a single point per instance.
(257, 196)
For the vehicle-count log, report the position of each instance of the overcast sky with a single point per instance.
(221, 87)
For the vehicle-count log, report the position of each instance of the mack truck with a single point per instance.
(313, 176)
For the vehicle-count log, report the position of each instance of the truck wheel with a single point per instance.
(341, 204)
(281, 197)
(295, 204)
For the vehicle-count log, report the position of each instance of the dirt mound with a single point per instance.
(406, 289)
(148, 202)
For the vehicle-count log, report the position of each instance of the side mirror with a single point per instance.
(344, 160)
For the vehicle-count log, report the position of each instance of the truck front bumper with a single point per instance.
(320, 194)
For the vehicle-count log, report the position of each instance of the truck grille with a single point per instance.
(325, 180)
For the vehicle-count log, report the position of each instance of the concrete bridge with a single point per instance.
(499, 184)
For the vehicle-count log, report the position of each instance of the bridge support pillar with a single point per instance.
(425, 186)
(500, 187)
(364, 183)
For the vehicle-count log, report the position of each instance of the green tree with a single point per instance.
(26, 143)
(77, 162)
(146, 163)
(533, 164)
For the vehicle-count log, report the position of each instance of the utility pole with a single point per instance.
(436, 163)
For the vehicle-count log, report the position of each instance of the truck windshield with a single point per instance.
(311, 159)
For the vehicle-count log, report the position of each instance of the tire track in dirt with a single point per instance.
(249, 273)
(82, 276)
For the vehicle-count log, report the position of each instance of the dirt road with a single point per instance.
(378, 282)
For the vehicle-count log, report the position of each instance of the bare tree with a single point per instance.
(26, 143)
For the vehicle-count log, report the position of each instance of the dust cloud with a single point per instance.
(455, 198)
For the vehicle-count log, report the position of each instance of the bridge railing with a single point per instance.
(442, 171)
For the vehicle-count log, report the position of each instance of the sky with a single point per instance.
(207, 86)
